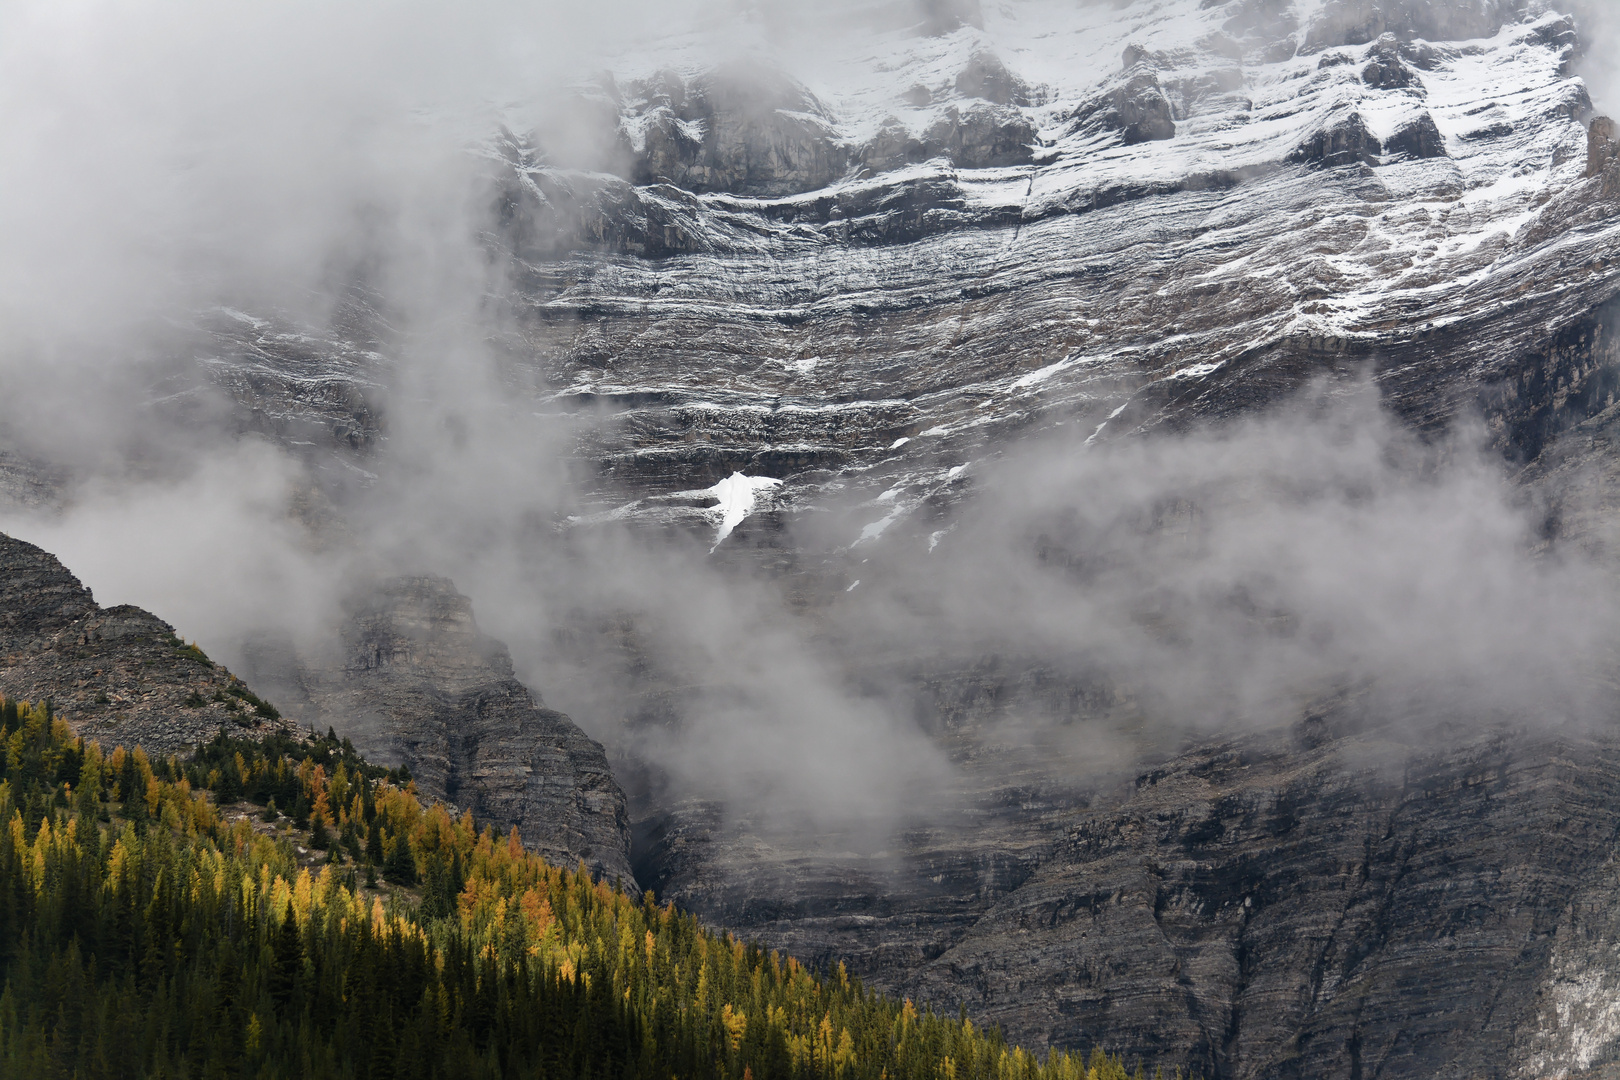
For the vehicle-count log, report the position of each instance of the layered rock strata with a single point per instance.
(1123, 219)
(1349, 909)
(417, 684)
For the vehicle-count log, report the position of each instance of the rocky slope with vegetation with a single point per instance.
(118, 673)
(143, 932)
(418, 684)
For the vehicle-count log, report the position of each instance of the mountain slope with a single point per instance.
(871, 279)
(418, 684)
(117, 673)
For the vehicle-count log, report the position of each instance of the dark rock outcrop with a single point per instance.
(1362, 908)
(892, 146)
(118, 675)
(1602, 146)
(1418, 138)
(1387, 71)
(737, 129)
(1346, 142)
(420, 685)
(981, 136)
(1137, 108)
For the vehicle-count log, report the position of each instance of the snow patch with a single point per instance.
(1040, 375)
(737, 495)
(877, 528)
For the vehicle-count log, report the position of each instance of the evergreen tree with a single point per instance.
(400, 866)
(206, 949)
(319, 838)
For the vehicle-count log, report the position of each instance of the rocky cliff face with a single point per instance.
(983, 226)
(416, 683)
(1355, 908)
(118, 675)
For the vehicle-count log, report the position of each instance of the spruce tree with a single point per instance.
(400, 867)
(319, 838)
(289, 958)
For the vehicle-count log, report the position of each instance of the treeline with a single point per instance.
(145, 935)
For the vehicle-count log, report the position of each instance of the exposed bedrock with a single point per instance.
(118, 675)
(1321, 905)
(1338, 195)
(418, 684)
(739, 129)
(1353, 22)
(1349, 909)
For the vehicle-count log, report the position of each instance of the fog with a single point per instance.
(281, 159)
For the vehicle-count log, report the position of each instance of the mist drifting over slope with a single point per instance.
(309, 164)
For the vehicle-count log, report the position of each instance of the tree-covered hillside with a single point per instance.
(153, 926)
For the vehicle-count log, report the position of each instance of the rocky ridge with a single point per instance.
(1123, 220)
(119, 674)
(417, 684)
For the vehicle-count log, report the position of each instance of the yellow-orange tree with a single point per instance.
(143, 936)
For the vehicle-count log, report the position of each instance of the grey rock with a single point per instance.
(738, 129)
(117, 675)
(1355, 22)
(1390, 73)
(892, 146)
(1137, 108)
(1282, 911)
(985, 76)
(419, 685)
(981, 136)
(1601, 145)
(1268, 18)
(1417, 138)
(1345, 142)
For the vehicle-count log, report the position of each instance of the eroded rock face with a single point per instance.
(1329, 206)
(118, 675)
(1345, 142)
(737, 129)
(1357, 908)
(420, 685)
(981, 136)
(1353, 22)
(1137, 109)
(1418, 138)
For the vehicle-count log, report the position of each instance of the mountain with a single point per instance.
(418, 685)
(263, 961)
(800, 318)
(116, 673)
(422, 689)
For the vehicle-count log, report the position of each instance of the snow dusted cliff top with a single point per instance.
(887, 250)
(858, 247)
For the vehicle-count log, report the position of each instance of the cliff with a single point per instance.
(417, 683)
(118, 675)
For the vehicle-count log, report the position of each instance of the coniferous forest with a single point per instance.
(151, 926)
